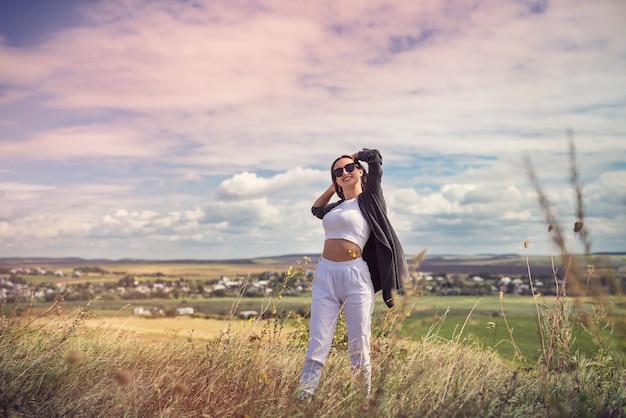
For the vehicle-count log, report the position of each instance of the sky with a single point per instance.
(171, 129)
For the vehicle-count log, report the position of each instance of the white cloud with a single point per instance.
(110, 220)
(250, 186)
(523, 215)
(195, 214)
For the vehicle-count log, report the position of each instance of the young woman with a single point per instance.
(361, 256)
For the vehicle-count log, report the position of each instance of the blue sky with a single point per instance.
(205, 129)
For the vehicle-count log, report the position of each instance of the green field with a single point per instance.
(484, 324)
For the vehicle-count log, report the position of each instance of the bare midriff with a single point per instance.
(340, 250)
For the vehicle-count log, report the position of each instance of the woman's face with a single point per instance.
(346, 178)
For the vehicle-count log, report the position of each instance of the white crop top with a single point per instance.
(346, 221)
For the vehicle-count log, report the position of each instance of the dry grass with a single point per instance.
(181, 326)
(64, 370)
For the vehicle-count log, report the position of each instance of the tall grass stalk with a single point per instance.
(535, 297)
(555, 322)
(518, 354)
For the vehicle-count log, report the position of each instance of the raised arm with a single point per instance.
(325, 197)
(375, 171)
(321, 206)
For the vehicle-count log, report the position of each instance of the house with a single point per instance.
(186, 310)
(219, 287)
(141, 311)
(143, 288)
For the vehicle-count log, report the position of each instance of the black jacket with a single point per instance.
(383, 252)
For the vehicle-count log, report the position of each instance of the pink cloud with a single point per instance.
(84, 141)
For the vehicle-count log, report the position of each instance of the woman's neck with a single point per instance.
(352, 193)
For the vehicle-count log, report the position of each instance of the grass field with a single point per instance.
(179, 327)
(457, 358)
(191, 270)
(473, 320)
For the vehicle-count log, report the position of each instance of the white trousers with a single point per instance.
(338, 284)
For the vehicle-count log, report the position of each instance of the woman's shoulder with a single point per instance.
(367, 197)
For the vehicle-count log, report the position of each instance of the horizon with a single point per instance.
(205, 130)
(299, 255)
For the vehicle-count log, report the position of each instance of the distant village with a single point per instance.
(29, 283)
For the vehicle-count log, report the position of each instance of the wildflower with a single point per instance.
(591, 268)
(74, 356)
(500, 295)
(526, 244)
(122, 377)
(578, 226)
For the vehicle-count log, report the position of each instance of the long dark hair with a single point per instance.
(357, 164)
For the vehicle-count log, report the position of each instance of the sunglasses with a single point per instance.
(338, 172)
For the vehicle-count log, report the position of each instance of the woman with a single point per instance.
(361, 256)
